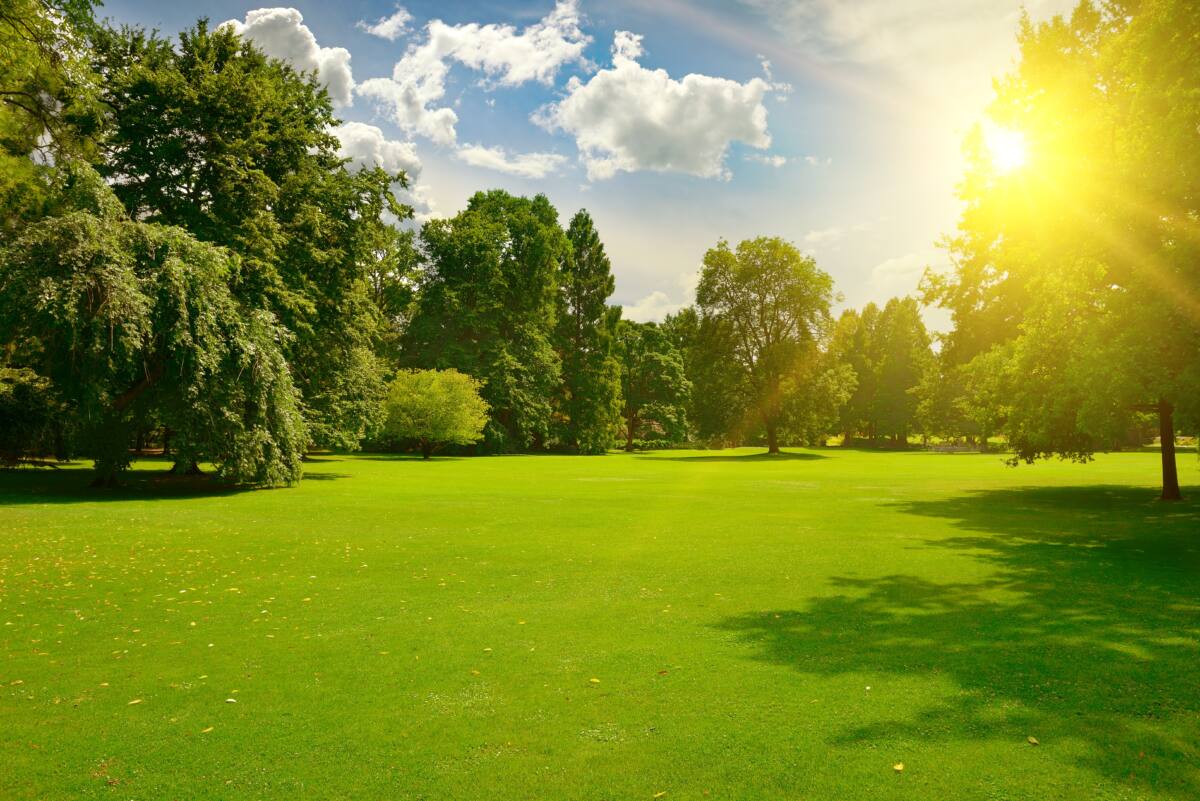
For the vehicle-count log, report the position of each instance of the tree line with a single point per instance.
(187, 260)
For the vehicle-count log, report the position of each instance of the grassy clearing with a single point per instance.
(708, 625)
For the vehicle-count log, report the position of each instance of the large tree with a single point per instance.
(772, 303)
(654, 389)
(130, 321)
(584, 336)
(487, 303)
(211, 135)
(1076, 274)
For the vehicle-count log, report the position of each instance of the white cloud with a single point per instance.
(898, 276)
(770, 160)
(366, 146)
(504, 56)
(281, 33)
(525, 165)
(391, 27)
(629, 118)
(652, 308)
(816, 161)
(825, 236)
(932, 43)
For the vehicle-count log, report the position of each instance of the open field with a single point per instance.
(704, 625)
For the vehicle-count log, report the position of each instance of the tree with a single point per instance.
(487, 297)
(855, 343)
(129, 320)
(590, 374)
(904, 357)
(435, 407)
(1078, 270)
(31, 416)
(47, 99)
(236, 148)
(654, 389)
(772, 303)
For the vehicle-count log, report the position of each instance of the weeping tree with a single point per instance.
(132, 321)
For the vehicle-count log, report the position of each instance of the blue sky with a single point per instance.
(864, 105)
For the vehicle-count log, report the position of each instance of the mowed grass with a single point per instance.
(711, 625)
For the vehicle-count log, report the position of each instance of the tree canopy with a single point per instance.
(435, 407)
(1075, 276)
(487, 305)
(772, 304)
(131, 319)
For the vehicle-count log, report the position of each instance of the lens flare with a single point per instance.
(1006, 148)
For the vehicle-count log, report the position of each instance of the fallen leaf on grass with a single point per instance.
(206, 731)
(660, 793)
(898, 767)
(596, 681)
(134, 701)
(1033, 740)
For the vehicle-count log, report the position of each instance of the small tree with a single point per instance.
(436, 407)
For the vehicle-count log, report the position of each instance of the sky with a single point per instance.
(836, 125)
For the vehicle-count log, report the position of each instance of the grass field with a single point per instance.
(700, 625)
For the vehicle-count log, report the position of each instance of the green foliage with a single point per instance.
(1079, 270)
(486, 306)
(435, 407)
(131, 321)
(767, 306)
(654, 387)
(47, 99)
(584, 336)
(31, 416)
(214, 137)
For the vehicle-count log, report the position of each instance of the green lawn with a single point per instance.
(705, 625)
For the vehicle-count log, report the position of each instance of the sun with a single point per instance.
(1007, 148)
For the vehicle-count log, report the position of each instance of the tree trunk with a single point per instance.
(166, 437)
(847, 439)
(426, 449)
(630, 427)
(772, 438)
(1166, 433)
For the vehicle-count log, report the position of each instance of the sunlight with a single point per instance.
(1007, 148)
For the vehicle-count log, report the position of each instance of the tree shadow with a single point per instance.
(785, 456)
(29, 486)
(1086, 630)
(411, 457)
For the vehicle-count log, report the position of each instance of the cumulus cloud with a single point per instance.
(629, 118)
(505, 56)
(825, 236)
(391, 27)
(771, 160)
(652, 308)
(281, 33)
(524, 165)
(367, 146)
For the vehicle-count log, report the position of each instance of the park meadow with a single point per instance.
(311, 488)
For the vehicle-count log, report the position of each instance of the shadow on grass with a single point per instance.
(36, 486)
(785, 456)
(410, 457)
(1085, 633)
